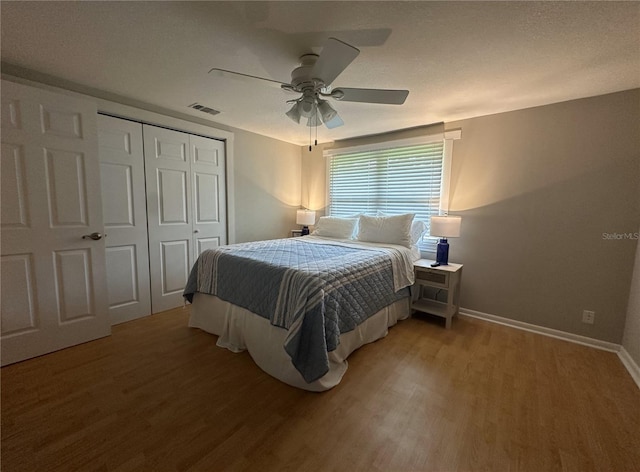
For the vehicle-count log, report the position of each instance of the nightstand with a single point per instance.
(295, 233)
(430, 286)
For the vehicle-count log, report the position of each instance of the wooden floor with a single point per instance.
(158, 396)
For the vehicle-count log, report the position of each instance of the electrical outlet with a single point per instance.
(588, 316)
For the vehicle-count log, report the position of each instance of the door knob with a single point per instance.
(197, 231)
(94, 236)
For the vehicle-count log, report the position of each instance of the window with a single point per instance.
(404, 177)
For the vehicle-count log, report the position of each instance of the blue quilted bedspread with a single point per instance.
(315, 291)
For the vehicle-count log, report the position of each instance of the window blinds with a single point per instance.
(393, 180)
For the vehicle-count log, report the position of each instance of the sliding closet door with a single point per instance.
(53, 283)
(209, 193)
(167, 162)
(125, 218)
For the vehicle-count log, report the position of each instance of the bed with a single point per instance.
(300, 306)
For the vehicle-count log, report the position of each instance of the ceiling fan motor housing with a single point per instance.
(301, 76)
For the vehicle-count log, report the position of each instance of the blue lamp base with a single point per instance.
(442, 253)
(305, 231)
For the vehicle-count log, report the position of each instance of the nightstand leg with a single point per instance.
(450, 306)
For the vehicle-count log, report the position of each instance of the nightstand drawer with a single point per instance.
(433, 278)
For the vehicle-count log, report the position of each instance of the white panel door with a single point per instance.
(167, 170)
(53, 280)
(125, 218)
(209, 193)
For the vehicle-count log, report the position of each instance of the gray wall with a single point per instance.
(536, 189)
(267, 186)
(314, 179)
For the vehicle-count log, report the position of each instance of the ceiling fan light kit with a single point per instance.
(313, 79)
(294, 113)
(327, 112)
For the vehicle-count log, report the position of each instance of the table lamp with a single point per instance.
(305, 218)
(444, 227)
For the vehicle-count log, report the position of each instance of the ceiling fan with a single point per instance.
(313, 79)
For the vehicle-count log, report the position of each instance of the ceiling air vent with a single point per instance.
(203, 109)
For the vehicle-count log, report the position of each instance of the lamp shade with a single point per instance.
(305, 217)
(445, 226)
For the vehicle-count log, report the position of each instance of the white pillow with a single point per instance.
(417, 228)
(333, 227)
(386, 229)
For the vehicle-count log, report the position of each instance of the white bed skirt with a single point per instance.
(238, 330)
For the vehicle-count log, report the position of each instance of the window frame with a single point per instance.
(445, 180)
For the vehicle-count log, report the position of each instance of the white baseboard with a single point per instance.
(630, 364)
(554, 333)
(624, 356)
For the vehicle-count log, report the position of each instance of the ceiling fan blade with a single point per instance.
(388, 97)
(246, 77)
(334, 122)
(334, 58)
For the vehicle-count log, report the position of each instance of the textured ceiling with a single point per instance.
(457, 59)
